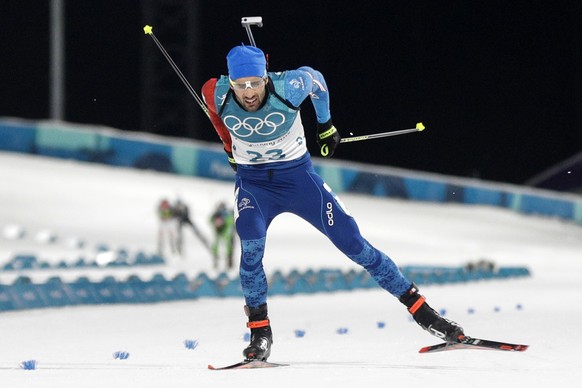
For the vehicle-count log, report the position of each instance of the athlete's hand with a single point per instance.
(231, 160)
(327, 138)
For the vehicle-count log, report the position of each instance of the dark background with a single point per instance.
(498, 84)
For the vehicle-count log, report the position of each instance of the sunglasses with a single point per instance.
(247, 84)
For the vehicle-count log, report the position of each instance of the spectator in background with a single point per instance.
(181, 213)
(167, 232)
(222, 221)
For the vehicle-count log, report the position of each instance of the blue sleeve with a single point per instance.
(305, 82)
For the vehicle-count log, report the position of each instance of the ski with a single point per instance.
(248, 364)
(474, 343)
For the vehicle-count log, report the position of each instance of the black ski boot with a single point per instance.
(429, 319)
(261, 335)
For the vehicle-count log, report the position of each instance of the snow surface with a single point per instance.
(76, 202)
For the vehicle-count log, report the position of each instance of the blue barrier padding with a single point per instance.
(54, 293)
(129, 291)
(6, 300)
(26, 295)
(350, 277)
(331, 280)
(62, 265)
(298, 283)
(378, 185)
(24, 262)
(333, 177)
(483, 196)
(204, 286)
(92, 144)
(23, 294)
(141, 258)
(362, 279)
(80, 263)
(227, 286)
(311, 277)
(278, 284)
(140, 154)
(29, 262)
(183, 287)
(8, 266)
(82, 291)
(165, 287)
(156, 259)
(106, 290)
(531, 204)
(214, 165)
(146, 290)
(185, 159)
(61, 153)
(425, 190)
(455, 193)
(513, 272)
(17, 137)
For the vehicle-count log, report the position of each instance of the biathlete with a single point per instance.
(256, 115)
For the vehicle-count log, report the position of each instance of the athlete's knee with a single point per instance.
(368, 256)
(350, 245)
(252, 254)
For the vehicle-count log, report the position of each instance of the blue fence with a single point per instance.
(89, 143)
(107, 146)
(120, 258)
(25, 294)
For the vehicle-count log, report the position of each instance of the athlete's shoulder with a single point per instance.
(293, 77)
(208, 90)
(214, 84)
(294, 85)
(209, 85)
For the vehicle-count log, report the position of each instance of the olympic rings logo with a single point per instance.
(250, 125)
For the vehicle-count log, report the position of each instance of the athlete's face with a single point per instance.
(249, 91)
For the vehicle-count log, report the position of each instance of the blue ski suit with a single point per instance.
(275, 175)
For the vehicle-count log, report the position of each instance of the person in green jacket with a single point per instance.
(222, 221)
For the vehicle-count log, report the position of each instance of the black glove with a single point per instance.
(327, 138)
(231, 160)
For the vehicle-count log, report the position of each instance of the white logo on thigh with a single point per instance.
(245, 203)
(329, 213)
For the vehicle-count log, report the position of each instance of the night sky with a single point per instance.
(498, 84)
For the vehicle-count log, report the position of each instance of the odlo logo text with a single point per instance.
(329, 213)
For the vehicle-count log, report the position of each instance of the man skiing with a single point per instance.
(222, 220)
(181, 213)
(167, 232)
(256, 115)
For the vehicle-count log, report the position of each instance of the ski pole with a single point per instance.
(148, 30)
(419, 128)
(249, 21)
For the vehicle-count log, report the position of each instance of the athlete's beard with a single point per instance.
(253, 102)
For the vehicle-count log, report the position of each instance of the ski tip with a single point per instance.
(474, 343)
(211, 367)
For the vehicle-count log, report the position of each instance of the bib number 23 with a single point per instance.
(274, 154)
